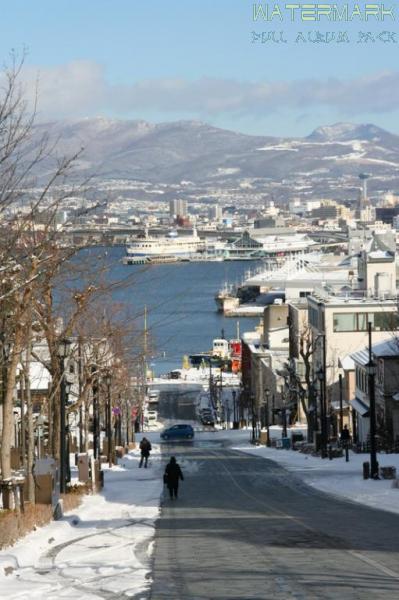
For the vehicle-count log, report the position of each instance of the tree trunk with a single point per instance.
(23, 420)
(55, 420)
(31, 437)
(8, 424)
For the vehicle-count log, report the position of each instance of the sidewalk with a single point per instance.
(336, 476)
(102, 550)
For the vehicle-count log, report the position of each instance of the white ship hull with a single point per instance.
(183, 247)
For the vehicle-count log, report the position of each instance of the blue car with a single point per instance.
(178, 432)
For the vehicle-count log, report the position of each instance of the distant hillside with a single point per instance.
(195, 151)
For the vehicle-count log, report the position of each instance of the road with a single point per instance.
(178, 403)
(244, 528)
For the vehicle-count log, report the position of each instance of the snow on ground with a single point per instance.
(103, 548)
(336, 476)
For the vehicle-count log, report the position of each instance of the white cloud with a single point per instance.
(80, 88)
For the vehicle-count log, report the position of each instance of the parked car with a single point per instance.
(152, 415)
(206, 416)
(178, 432)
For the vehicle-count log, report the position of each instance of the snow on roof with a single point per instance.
(346, 363)
(361, 357)
(385, 349)
(380, 255)
(40, 377)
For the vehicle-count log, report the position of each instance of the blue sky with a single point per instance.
(166, 60)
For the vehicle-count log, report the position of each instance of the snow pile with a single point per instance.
(103, 549)
(337, 477)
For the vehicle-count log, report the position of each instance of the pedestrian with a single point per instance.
(345, 436)
(171, 477)
(145, 447)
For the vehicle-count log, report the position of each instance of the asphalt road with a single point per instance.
(178, 404)
(244, 528)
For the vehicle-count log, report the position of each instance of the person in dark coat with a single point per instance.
(345, 436)
(172, 475)
(145, 447)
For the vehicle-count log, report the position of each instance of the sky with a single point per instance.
(161, 60)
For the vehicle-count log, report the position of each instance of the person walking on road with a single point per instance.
(172, 475)
(145, 447)
(345, 436)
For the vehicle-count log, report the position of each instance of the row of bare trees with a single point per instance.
(46, 294)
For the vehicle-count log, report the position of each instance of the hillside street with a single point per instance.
(243, 527)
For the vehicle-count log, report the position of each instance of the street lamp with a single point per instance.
(320, 376)
(96, 416)
(235, 420)
(63, 353)
(371, 370)
(267, 395)
(108, 381)
(341, 408)
(283, 412)
(253, 418)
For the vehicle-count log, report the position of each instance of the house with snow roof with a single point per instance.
(386, 357)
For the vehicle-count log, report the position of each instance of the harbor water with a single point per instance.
(182, 318)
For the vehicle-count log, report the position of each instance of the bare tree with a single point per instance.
(304, 383)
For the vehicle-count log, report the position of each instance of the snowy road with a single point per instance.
(246, 528)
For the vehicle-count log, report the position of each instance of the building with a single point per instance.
(215, 212)
(339, 326)
(386, 357)
(178, 208)
(377, 267)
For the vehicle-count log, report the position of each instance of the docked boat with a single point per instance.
(226, 293)
(156, 248)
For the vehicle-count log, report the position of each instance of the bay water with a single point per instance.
(182, 315)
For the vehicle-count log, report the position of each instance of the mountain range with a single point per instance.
(200, 153)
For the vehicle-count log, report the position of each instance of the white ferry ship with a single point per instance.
(165, 247)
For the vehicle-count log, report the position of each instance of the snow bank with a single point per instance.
(103, 548)
(336, 476)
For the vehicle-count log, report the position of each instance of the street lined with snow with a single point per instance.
(244, 514)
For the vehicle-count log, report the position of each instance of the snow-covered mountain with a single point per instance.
(342, 132)
(201, 153)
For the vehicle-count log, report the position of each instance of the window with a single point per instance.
(362, 322)
(345, 322)
(314, 317)
(381, 321)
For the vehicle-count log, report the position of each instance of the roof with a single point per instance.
(361, 357)
(380, 255)
(346, 363)
(386, 349)
(383, 241)
(361, 407)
